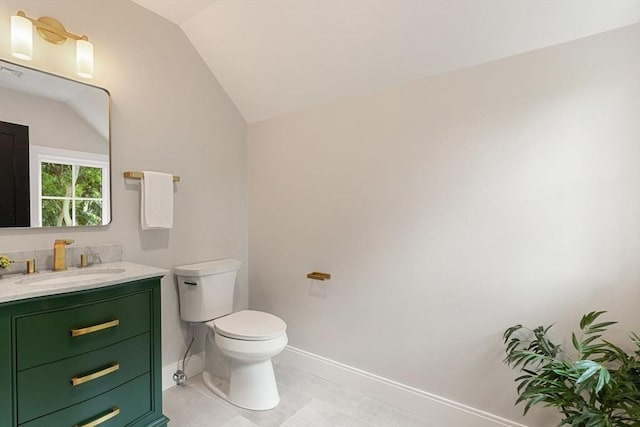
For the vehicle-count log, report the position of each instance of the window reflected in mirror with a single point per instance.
(71, 191)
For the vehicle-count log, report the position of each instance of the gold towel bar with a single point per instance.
(316, 275)
(138, 175)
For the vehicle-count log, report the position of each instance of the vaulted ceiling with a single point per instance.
(278, 56)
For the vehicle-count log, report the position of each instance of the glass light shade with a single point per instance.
(21, 37)
(84, 59)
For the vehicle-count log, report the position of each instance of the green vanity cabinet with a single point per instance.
(88, 357)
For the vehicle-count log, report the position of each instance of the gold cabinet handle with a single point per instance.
(94, 328)
(75, 381)
(114, 412)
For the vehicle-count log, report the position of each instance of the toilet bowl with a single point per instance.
(247, 339)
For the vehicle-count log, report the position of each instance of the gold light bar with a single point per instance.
(139, 175)
(51, 30)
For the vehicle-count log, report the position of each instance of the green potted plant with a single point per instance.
(598, 387)
(5, 262)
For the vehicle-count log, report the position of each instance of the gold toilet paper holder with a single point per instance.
(316, 275)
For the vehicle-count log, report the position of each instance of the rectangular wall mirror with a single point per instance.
(54, 150)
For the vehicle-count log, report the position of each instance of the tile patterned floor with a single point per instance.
(305, 400)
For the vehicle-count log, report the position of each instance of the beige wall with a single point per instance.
(168, 114)
(451, 208)
(51, 123)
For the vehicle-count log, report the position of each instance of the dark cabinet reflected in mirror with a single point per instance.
(14, 175)
(54, 150)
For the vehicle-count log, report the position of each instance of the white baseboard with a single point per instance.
(194, 366)
(426, 405)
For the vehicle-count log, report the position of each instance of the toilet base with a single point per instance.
(251, 385)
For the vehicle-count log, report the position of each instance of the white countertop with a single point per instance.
(17, 287)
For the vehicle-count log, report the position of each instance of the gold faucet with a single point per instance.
(31, 265)
(59, 261)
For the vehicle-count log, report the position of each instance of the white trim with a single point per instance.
(61, 154)
(194, 366)
(438, 410)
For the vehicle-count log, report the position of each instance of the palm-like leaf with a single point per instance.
(600, 389)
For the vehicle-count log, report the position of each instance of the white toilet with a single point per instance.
(248, 339)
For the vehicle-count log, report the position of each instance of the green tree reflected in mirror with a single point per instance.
(71, 195)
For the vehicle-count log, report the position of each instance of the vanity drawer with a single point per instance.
(48, 388)
(47, 337)
(130, 401)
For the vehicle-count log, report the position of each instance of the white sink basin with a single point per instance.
(74, 276)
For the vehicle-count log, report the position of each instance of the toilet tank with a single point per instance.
(206, 289)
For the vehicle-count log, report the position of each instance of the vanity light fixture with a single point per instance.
(52, 31)
(21, 37)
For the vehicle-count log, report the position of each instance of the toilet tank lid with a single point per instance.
(208, 267)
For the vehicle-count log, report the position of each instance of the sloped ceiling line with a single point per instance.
(279, 56)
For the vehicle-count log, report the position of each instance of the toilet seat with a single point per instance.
(249, 325)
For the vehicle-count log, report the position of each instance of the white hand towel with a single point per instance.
(156, 204)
